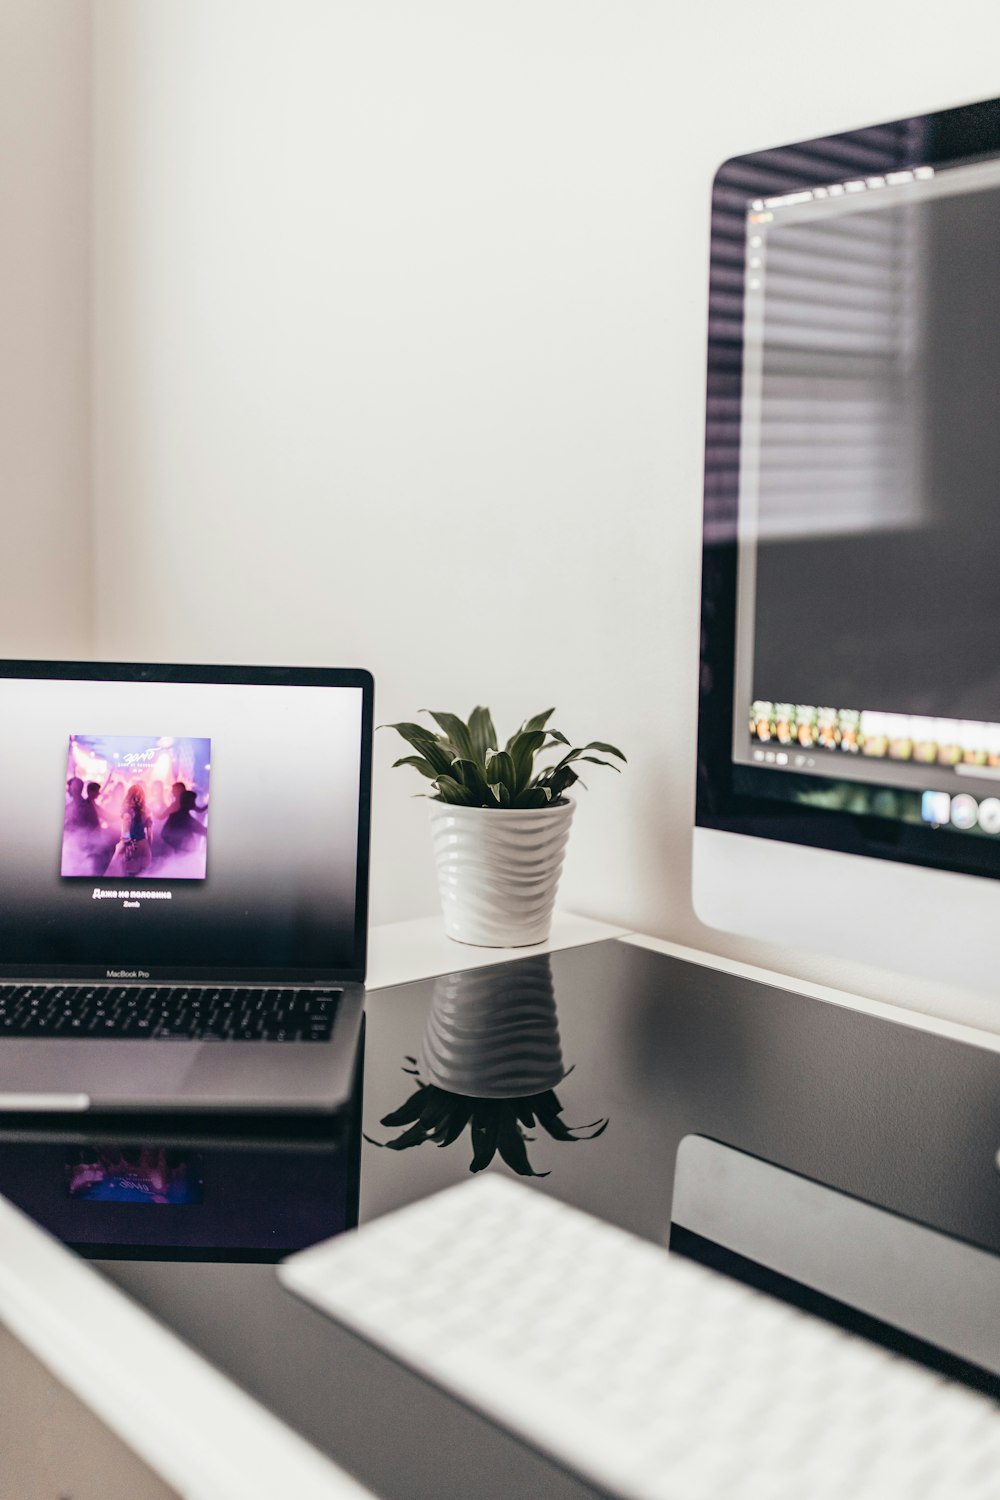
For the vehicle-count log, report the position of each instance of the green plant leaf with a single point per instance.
(608, 749)
(539, 721)
(411, 732)
(450, 790)
(426, 742)
(418, 763)
(482, 733)
(455, 760)
(559, 779)
(532, 796)
(440, 758)
(523, 748)
(500, 771)
(457, 732)
(570, 756)
(469, 773)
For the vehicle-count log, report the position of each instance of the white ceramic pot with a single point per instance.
(493, 1033)
(498, 870)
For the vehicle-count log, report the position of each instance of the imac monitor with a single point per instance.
(849, 725)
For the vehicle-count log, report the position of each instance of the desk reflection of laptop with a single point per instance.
(183, 887)
(172, 1200)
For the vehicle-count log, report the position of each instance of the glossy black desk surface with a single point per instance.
(657, 1047)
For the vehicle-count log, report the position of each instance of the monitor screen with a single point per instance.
(851, 610)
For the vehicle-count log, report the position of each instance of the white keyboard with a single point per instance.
(641, 1371)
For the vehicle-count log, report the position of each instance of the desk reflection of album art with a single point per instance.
(136, 808)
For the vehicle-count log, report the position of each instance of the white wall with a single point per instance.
(399, 352)
(45, 199)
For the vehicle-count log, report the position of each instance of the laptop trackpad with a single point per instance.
(99, 1073)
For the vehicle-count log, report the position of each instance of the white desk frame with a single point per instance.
(150, 1388)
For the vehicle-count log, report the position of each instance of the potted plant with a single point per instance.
(499, 823)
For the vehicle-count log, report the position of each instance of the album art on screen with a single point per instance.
(136, 808)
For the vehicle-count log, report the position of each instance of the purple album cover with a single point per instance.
(136, 808)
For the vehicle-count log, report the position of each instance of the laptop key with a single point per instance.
(314, 1033)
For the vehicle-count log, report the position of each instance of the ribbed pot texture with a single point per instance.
(498, 870)
(493, 1034)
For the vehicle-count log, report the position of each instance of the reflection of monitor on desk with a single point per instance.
(849, 745)
(914, 1282)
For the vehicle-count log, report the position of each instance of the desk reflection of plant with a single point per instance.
(490, 1062)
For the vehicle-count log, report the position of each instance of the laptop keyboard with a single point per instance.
(185, 1012)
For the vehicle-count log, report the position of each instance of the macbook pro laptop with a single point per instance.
(183, 887)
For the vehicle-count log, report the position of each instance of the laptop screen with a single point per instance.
(183, 828)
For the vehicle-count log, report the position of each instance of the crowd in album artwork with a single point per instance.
(136, 808)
